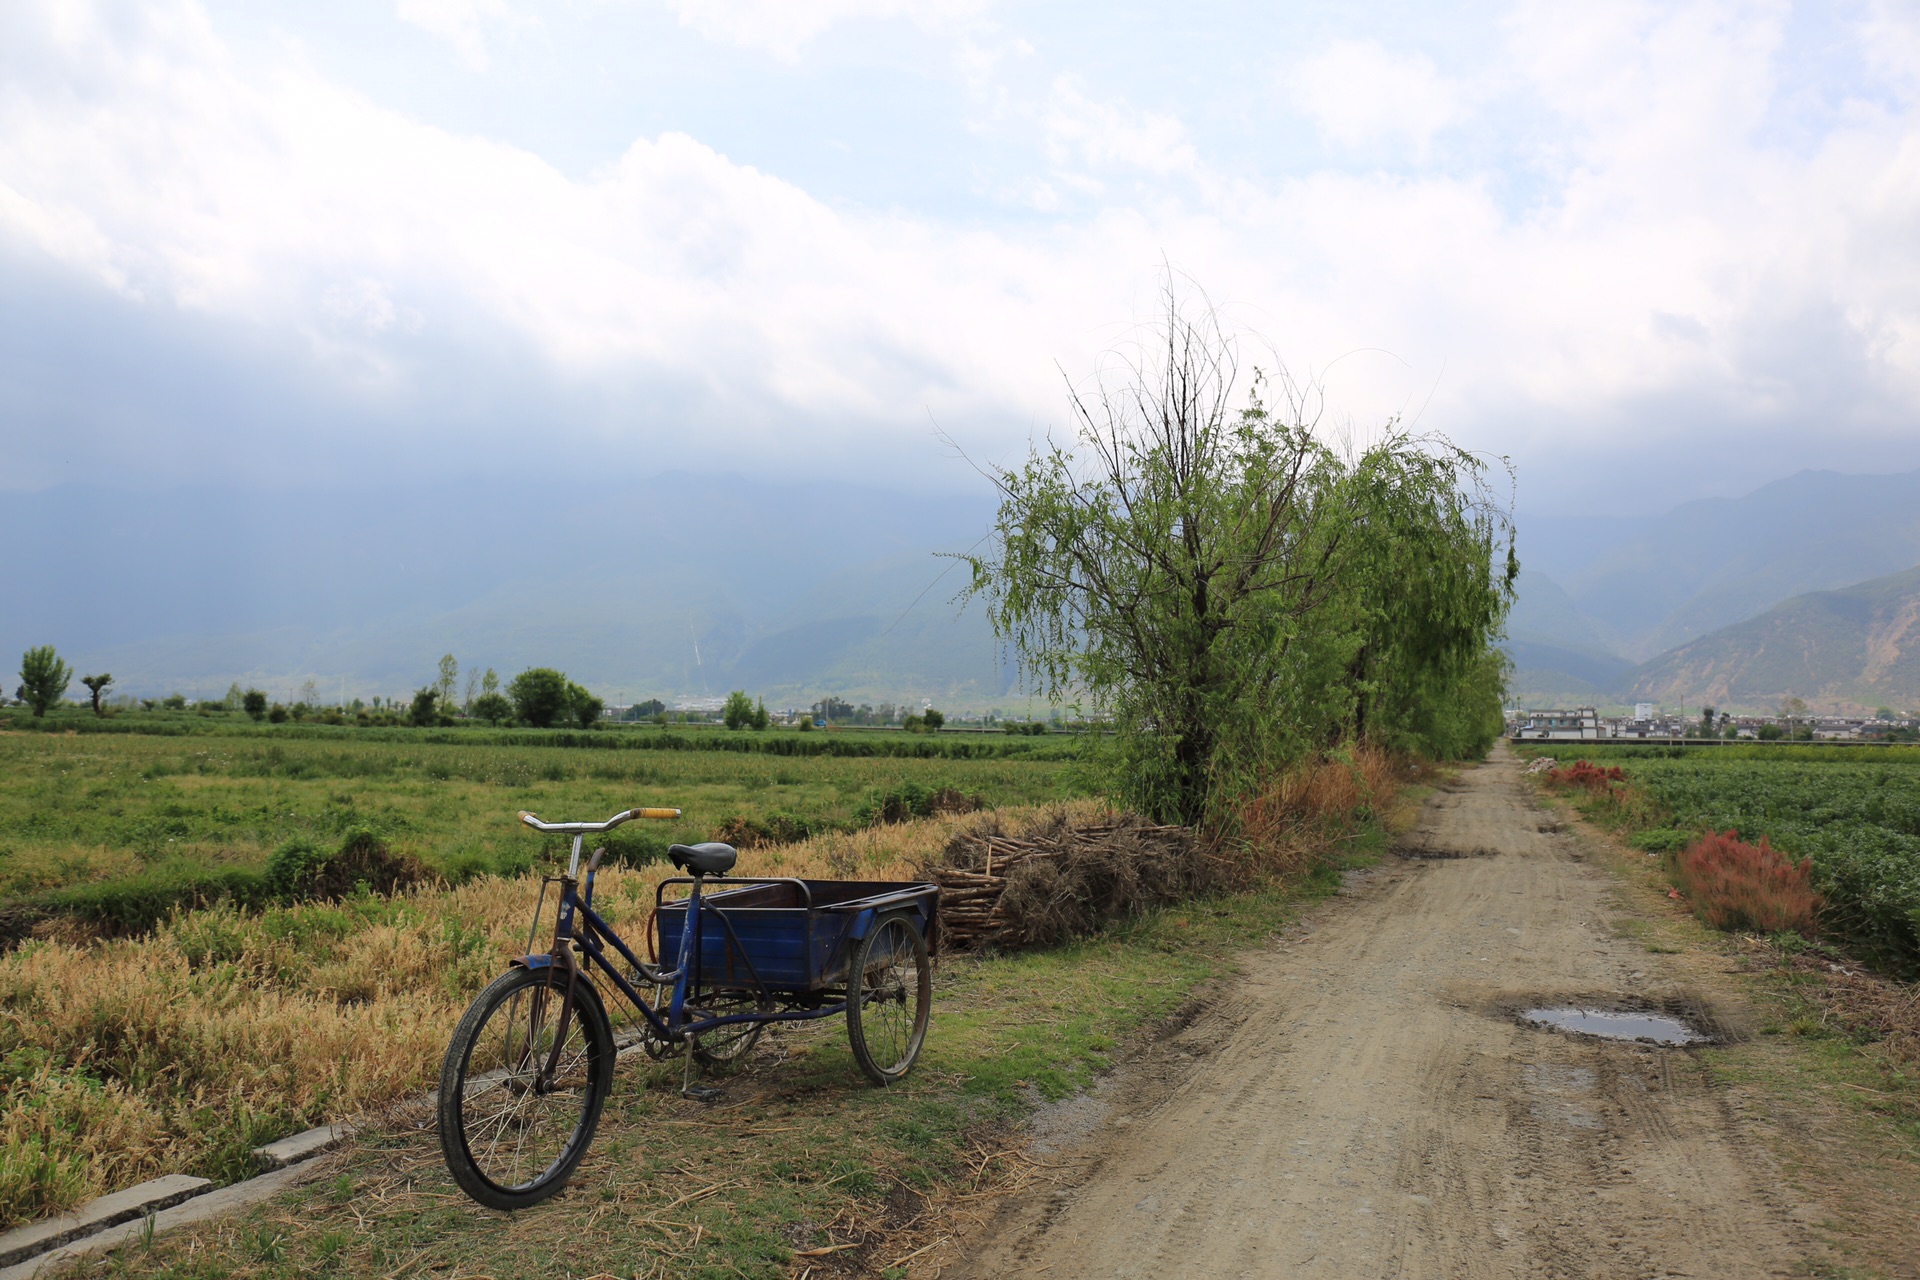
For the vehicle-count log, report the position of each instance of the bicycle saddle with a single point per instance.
(710, 859)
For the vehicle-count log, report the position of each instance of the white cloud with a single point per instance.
(1090, 134)
(785, 27)
(461, 23)
(1361, 95)
(1663, 253)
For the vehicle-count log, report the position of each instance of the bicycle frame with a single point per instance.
(579, 930)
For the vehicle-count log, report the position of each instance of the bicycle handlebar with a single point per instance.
(584, 828)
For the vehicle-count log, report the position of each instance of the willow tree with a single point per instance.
(1199, 566)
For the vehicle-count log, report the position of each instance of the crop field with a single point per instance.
(179, 1046)
(1855, 813)
(94, 807)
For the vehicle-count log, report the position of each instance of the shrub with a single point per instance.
(299, 870)
(1735, 885)
(1584, 774)
(912, 800)
(254, 703)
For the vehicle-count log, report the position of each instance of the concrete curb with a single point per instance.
(241, 1195)
(97, 1215)
(156, 1206)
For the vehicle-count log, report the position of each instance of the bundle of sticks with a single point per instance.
(1063, 866)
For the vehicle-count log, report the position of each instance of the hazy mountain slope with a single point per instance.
(1710, 563)
(895, 629)
(657, 588)
(1857, 646)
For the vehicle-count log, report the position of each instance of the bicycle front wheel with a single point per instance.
(512, 1132)
(889, 997)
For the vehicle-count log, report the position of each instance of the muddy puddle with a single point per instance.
(1631, 1024)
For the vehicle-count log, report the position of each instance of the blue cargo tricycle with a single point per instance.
(531, 1062)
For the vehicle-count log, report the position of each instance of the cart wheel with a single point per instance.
(511, 1139)
(889, 996)
(724, 1046)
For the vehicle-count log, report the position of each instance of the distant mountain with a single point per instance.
(674, 586)
(1659, 582)
(1559, 654)
(1858, 646)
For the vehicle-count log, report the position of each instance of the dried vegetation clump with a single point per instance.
(1038, 883)
(1050, 877)
(1304, 813)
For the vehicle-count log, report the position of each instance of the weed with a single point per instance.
(1735, 885)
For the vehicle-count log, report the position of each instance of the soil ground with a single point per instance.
(1367, 1102)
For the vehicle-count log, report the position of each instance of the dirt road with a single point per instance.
(1366, 1102)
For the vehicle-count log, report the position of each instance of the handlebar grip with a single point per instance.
(655, 813)
(527, 817)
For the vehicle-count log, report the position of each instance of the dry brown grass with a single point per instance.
(1295, 817)
(180, 1051)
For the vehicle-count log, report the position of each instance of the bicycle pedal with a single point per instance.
(701, 1093)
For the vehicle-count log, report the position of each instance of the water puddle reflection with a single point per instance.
(1615, 1025)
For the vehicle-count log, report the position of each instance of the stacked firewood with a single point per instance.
(1063, 879)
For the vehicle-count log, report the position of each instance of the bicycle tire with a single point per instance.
(889, 999)
(488, 1093)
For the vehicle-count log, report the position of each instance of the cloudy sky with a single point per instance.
(1652, 251)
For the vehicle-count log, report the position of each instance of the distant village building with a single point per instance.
(1556, 725)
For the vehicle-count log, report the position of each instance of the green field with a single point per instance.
(97, 807)
(1854, 812)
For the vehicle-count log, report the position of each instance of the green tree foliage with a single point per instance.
(1232, 594)
(540, 696)
(584, 707)
(254, 703)
(1707, 729)
(425, 711)
(738, 712)
(448, 681)
(491, 707)
(97, 685)
(760, 717)
(44, 678)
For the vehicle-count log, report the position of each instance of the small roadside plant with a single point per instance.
(1735, 885)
